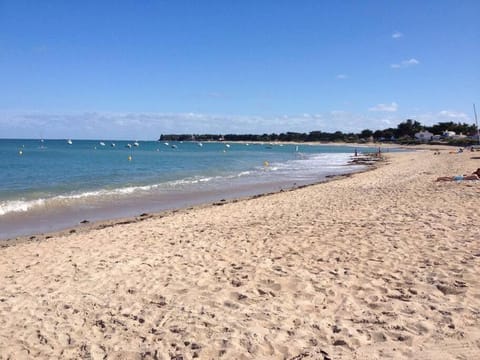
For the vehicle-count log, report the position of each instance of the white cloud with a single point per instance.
(385, 107)
(431, 118)
(342, 76)
(405, 63)
(149, 126)
(338, 112)
(453, 114)
(397, 35)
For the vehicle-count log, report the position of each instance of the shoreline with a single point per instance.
(38, 214)
(86, 225)
(384, 262)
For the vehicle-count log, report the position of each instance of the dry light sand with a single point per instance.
(381, 264)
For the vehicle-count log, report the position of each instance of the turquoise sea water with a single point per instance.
(50, 184)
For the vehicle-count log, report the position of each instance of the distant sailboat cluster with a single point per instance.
(136, 144)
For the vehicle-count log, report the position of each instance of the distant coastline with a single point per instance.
(408, 132)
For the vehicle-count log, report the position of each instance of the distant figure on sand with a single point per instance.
(475, 176)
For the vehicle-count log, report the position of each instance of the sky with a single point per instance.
(138, 69)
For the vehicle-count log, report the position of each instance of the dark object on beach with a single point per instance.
(84, 222)
(73, 231)
(366, 159)
(195, 346)
(340, 342)
(143, 214)
(325, 355)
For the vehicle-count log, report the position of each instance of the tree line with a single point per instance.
(404, 132)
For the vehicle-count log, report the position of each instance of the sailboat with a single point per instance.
(42, 144)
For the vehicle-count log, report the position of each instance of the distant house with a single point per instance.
(383, 138)
(449, 134)
(424, 136)
(453, 135)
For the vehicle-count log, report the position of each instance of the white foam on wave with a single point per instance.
(310, 167)
(106, 193)
(188, 181)
(204, 180)
(19, 205)
(14, 206)
(306, 167)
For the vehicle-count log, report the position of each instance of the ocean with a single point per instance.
(48, 185)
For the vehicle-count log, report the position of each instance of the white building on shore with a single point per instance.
(424, 136)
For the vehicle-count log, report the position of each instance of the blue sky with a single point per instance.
(136, 69)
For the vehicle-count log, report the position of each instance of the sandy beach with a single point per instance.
(380, 264)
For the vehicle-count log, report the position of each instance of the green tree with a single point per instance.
(365, 134)
(408, 128)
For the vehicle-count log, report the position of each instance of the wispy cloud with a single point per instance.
(387, 122)
(342, 76)
(405, 63)
(430, 118)
(338, 112)
(397, 35)
(453, 114)
(149, 126)
(393, 107)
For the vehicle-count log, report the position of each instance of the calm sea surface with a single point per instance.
(51, 184)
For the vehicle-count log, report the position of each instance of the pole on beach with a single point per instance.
(476, 122)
